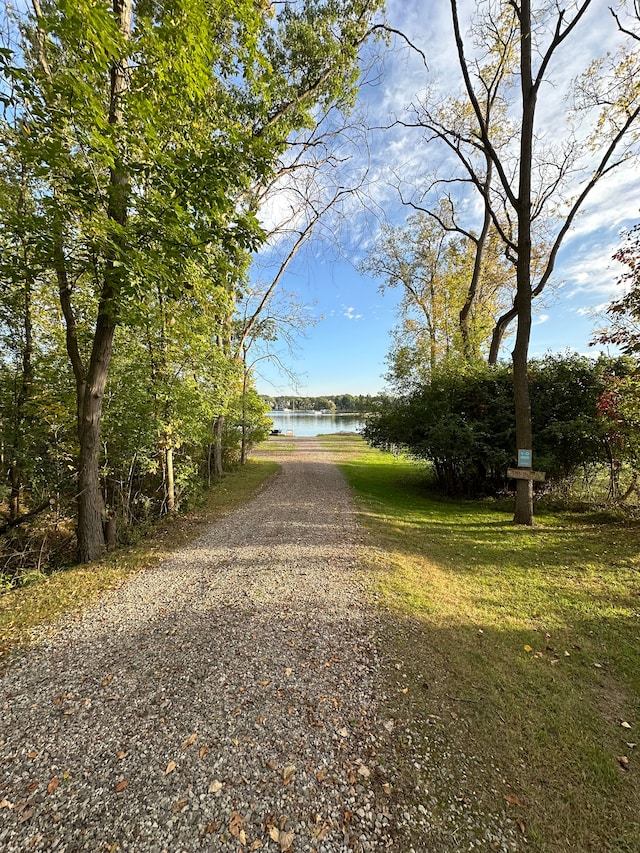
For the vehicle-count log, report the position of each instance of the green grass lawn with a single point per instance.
(48, 597)
(522, 644)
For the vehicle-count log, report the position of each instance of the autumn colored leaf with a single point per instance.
(286, 840)
(5, 804)
(53, 784)
(121, 755)
(521, 824)
(203, 751)
(274, 833)
(236, 823)
(171, 766)
(107, 680)
(321, 775)
(35, 754)
(256, 845)
(288, 773)
(386, 787)
(121, 786)
(528, 648)
(625, 724)
(511, 798)
(189, 741)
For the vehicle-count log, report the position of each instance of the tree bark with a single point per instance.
(218, 429)
(472, 291)
(171, 486)
(524, 488)
(90, 502)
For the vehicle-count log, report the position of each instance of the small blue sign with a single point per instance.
(524, 459)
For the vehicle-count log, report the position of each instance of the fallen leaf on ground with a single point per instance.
(121, 755)
(5, 804)
(107, 680)
(53, 784)
(171, 766)
(288, 772)
(236, 823)
(203, 751)
(386, 787)
(511, 798)
(189, 741)
(363, 770)
(528, 648)
(121, 786)
(286, 840)
(215, 786)
(623, 761)
(33, 755)
(625, 724)
(521, 824)
(405, 690)
(321, 775)
(256, 845)
(274, 833)
(179, 805)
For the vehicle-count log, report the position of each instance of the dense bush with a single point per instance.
(463, 421)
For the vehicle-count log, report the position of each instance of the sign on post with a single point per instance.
(524, 459)
(525, 474)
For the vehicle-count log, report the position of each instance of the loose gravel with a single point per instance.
(225, 700)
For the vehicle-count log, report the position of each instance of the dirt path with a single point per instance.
(223, 700)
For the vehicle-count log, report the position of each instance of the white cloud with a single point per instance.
(349, 313)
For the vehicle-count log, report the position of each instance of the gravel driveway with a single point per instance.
(223, 700)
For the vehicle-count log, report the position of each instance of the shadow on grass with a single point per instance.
(514, 654)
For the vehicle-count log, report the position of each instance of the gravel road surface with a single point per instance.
(223, 700)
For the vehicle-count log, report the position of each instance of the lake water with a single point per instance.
(312, 423)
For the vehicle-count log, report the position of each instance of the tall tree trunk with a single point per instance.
(470, 298)
(524, 488)
(218, 430)
(502, 323)
(90, 502)
(26, 381)
(171, 486)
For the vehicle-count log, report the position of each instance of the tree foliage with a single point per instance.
(135, 137)
(462, 422)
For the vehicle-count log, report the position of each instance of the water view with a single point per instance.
(314, 423)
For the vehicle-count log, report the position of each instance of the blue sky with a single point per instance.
(344, 352)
